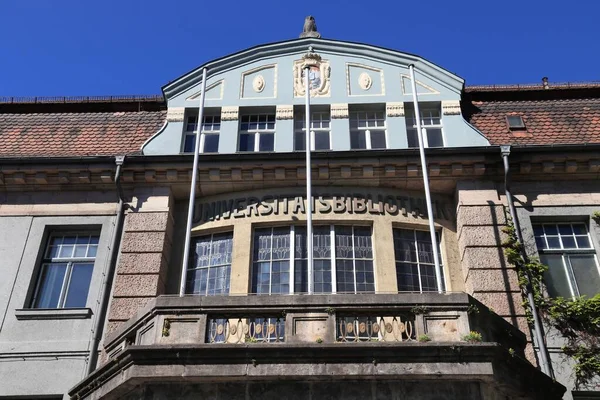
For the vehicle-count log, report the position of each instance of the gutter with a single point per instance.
(107, 284)
(538, 328)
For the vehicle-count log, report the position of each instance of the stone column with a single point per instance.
(488, 276)
(143, 261)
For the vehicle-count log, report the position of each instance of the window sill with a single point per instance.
(25, 314)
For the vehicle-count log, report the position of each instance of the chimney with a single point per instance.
(545, 82)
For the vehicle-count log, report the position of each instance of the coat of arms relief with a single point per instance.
(319, 73)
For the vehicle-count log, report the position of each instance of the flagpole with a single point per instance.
(438, 271)
(309, 236)
(190, 217)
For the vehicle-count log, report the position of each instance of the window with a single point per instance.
(209, 136)
(66, 271)
(277, 268)
(319, 129)
(367, 130)
(210, 268)
(257, 132)
(415, 267)
(515, 122)
(567, 250)
(431, 121)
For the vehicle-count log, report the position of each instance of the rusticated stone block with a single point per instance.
(146, 222)
(141, 263)
(481, 236)
(492, 280)
(123, 308)
(485, 258)
(503, 304)
(137, 286)
(143, 242)
(480, 215)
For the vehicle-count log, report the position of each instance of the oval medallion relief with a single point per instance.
(365, 81)
(258, 83)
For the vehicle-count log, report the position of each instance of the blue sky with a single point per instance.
(84, 47)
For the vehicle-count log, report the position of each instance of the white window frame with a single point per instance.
(70, 261)
(427, 121)
(356, 115)
(333, 258)
(212, 235)
(208, 128)
(566, 252)
(418, 262)
(257, 132)
(316, 125)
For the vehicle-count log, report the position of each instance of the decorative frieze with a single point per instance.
(339, 111)
(284, 112)
(230, 113)
(175, 114)
(394, 109)
(451, 107)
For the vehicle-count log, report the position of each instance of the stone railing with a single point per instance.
(290, 320)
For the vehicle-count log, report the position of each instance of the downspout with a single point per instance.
(537, 323)
(107, 284)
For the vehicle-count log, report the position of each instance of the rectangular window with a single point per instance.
(257, 132)
(209, 136)
(210, 265)
(279, 269)
(566, 248)
(367, 130)
(431, 121)
(319, 129)
(415, 267)
(66, 271)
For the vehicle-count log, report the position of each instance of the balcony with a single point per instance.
(182, 342)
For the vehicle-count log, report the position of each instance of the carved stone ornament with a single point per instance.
(258, 83)
(394, 109)
(310, 28)
(175, 114)
(284, 112)
(319, 75)
(339, 111)
(364, 81)
(451, 107)
(230, 113)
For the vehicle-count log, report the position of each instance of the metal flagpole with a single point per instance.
(188, 232)
(420, 133)
(309, 236)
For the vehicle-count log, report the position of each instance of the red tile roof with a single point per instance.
(77, 133)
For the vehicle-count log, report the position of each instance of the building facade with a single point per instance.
(93, 220)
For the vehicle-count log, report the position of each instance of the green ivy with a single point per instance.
(577, 320)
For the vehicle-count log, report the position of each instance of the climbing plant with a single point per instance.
(577, 320)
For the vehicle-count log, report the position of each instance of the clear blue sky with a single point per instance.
(109, 47)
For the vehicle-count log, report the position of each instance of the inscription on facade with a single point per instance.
(322, 204)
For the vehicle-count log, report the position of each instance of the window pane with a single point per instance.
(50, 287)
(550, 230)
(583, 242)
(378, 140)
(362, 243)
(322, 141)
(434, 138)
(556, 277)
(407, 276)
(344, 275)
(553, 242)
(413, 140)
(267, 142)
(189, 144)
(246, 142)
(586, 274)
(565, 229)
(211, 143)
(299, 141)
(301, 276)
(580, 229)
(79, 286)
(358, 140)
(322, 276)
(568, 242)
(420, 266)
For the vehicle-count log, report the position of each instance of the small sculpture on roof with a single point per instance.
(310, 28)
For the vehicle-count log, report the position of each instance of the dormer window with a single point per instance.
(515, 122)
(209, 136)
(431, 121)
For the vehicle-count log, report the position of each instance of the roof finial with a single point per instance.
(310, 28)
